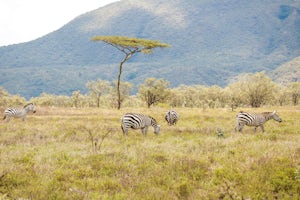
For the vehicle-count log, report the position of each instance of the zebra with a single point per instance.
(138, 121)
(254, 119)
(18, 112)
(172, 117)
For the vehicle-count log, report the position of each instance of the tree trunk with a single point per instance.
(98, 101)
(118, 86)
(295, 99)
(119, 77)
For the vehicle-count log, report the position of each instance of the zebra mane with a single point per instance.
(266, 113)
(28, 105)
(152, 119)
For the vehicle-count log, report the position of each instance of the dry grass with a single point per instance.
(66, 153)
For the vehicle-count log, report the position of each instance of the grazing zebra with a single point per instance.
(18, 112)
(172, 117)
(254, 119)
(138, 121)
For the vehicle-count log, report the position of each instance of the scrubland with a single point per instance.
(68, 153)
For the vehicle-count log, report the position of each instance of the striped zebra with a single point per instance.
(138, 121)
(18, 112)
(172, 117)
(254, 119)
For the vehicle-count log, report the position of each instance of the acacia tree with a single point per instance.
(154, 91)
(235, 95)
(256, 89)
(129, 46)
(282, 94)
(295, 92)
(98, 89)
(76, 95)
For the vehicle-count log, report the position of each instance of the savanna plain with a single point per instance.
(69, 153)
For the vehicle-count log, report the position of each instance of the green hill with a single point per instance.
(212, 41)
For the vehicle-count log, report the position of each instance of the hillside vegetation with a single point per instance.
(288, 72)
(53, 156)
(212, 41)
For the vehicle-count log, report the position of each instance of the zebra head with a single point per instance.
(30, 107)
(154, 124)
(275, 116)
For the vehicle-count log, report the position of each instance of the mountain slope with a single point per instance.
(211, 41)
(288, 72)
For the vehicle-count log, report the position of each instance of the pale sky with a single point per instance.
(26, 20)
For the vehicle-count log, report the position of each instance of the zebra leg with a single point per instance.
(239, 127)
(255, 129)
(7, 118)
(262, 128)
(125, 131)
(236, 128)
(144, 130)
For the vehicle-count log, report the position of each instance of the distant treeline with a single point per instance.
(253, 90)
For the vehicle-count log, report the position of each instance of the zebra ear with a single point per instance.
(274, 112)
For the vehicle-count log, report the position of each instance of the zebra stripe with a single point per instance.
(172, 117)
(138, 121)
(18, 112)
(254, 119)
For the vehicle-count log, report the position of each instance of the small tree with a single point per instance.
(256, 88)
(44, 99)
(98, 88)
(177, 99)
(281, 94)
(235, 96)
(76, 95)
(4, 97)
(216, 96)
(295, 92)
(128, 46)
(154, 91)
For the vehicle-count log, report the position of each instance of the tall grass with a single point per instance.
(64, 153)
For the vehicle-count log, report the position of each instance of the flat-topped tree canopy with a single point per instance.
(129, 46)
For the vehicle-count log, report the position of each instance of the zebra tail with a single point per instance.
(4, 117)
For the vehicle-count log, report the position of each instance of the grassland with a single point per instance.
(66, 153)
